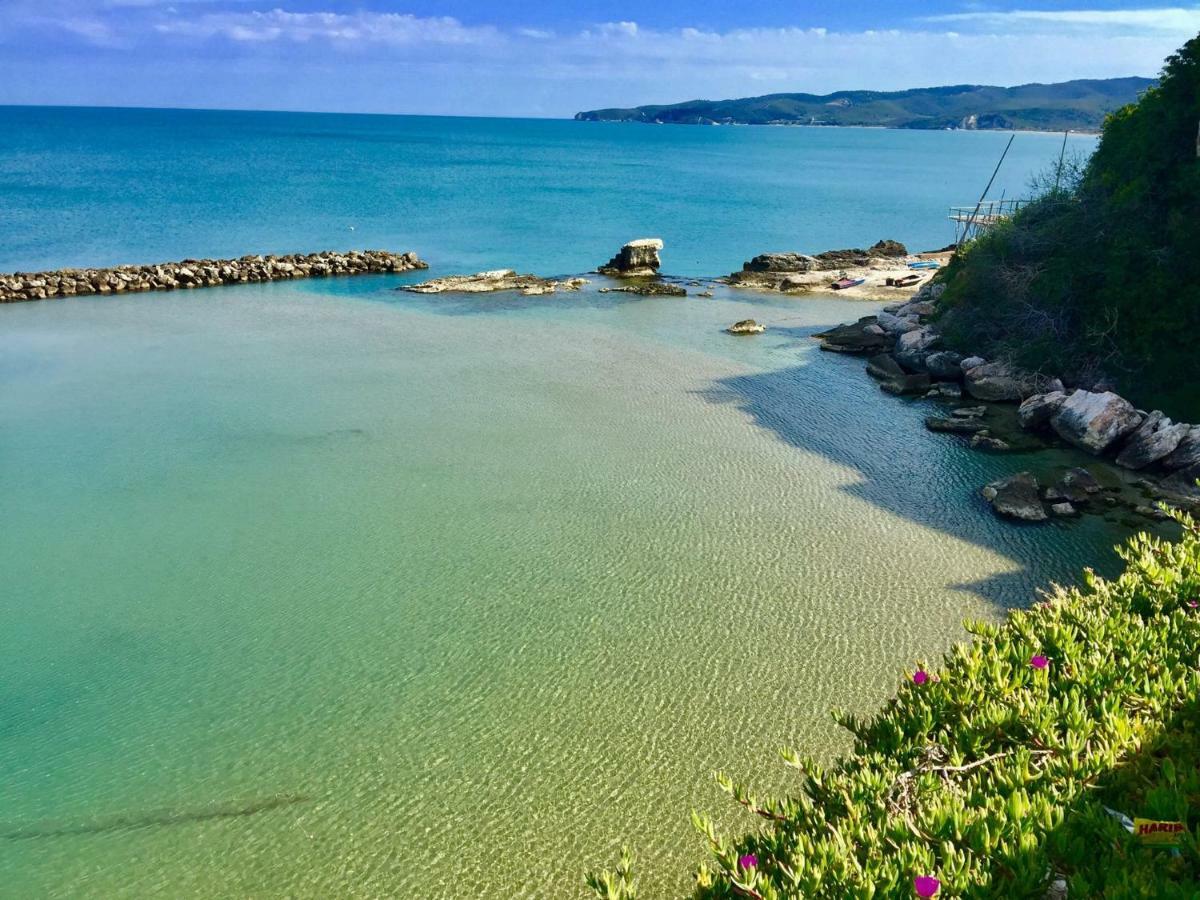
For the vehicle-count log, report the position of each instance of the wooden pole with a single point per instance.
(983, 196)
(1061, 156)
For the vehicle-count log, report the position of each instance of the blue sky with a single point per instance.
(547, 58)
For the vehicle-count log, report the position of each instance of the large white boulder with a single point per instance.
(1095, 421)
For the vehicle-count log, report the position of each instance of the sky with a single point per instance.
(552, 57)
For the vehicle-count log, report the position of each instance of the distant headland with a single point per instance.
(1070, 105)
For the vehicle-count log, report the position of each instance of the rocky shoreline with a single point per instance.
(906, 356)
(199, 273)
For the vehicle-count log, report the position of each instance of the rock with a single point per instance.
(945, 364)
(997, 382)
(746, 326)
(852, 338)
(883, 367)
(874, 329)
(1037, 410)
(912, 348)
(981, 440)
(705, 294)
(918, 308)
(486, 282)
(780, 262)
(1187, 453)
(795, 283)
(906, 384)
(1151, 512)
(1064, 509)
(1156, 438)
(945, 390)
(969, 412)
(1016, 497)
(887, 248)
(1182, 483)
(972, 362)
(954, 425)
(1094, 422)
(1076, 485)
(895, 324)
(637, 259)
(649, 289)
(842, 259)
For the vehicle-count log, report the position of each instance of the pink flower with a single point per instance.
(920, 676)
(1192, 604)
(926, 885)
(748, 861)
(1039, 661)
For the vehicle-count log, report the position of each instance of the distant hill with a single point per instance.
(1078, 105)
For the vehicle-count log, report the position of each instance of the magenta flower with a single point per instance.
(1039, 661)
(748, 861)
(926, 885)
(1192, 604)
(920, 676)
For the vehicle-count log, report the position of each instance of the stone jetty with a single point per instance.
(197, 273)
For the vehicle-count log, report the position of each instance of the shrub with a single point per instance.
(993, 775)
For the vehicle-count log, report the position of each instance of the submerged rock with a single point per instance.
(1016, 497)
(637, 259)
(1064, 510)
(1094, 422)
(954, 424)
(649, 289)
(983, 441)
(945, 390)
(906, 384)
(493, 280)
(746, 326)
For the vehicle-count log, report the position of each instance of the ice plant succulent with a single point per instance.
(920, 676)
(926, 885)
(747, 861)
(1039, 661)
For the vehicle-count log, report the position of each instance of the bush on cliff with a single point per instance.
(1100, 277)
(994, 776)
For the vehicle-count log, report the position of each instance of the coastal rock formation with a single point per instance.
(982, 440)
(493, 280)
(853, 338)
(884, 367)
(917, 383)
(913, 347)
(1156, 438)
(793, 272)
(1016, 497)
(1036, 411)
(1187, 453)
(197, 273)
(955, 424)
(1094, 422)
(887, 248)
(637, 259)
(945, 365)
(780, 262)
(997, 382)
(649, 289)
(746, 326)
(1181, 484)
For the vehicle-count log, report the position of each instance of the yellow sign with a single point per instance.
(1152, 831)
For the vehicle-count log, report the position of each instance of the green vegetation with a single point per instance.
(993, 776)
(1079, 105)
(1099, 279)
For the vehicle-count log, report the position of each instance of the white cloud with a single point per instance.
(1162, 20)
(278, 24)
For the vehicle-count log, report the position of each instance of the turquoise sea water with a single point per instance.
(320, 589)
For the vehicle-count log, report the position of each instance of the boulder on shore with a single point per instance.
(1182, 483)
(780, 262)
(913, 348)
(852, 338)
(945, 365)
(887, 248)
(1094, 422)
(1036, 411)
(1187, 453)
(906, 384)
(1016, 497)
(746, 326)
(637, 259)
(883, 367)
(998, 382)
(1156, 438)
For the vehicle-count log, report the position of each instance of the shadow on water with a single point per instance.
(150, 819)
(830, 407)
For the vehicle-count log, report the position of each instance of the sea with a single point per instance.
(326, 589)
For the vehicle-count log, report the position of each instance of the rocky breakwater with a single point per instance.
(792, 272)
(199, 273)
(1029, 411)
(494, 280)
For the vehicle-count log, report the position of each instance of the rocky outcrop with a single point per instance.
(637, 259)
(1094, 422)
(793, 272)
(945, 365)
(746, 326)
(780, 262)
(1016, 497)
(199, 273)
(997, 382)
(917, 383)
(493, 280)
(955, 424)
(1156, 438)
(984, 441)
(884, 367)
(885, 249)
(1181, 484)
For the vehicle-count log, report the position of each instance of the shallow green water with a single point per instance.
(486, 587)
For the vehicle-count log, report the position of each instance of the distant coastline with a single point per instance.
(1078, 106)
